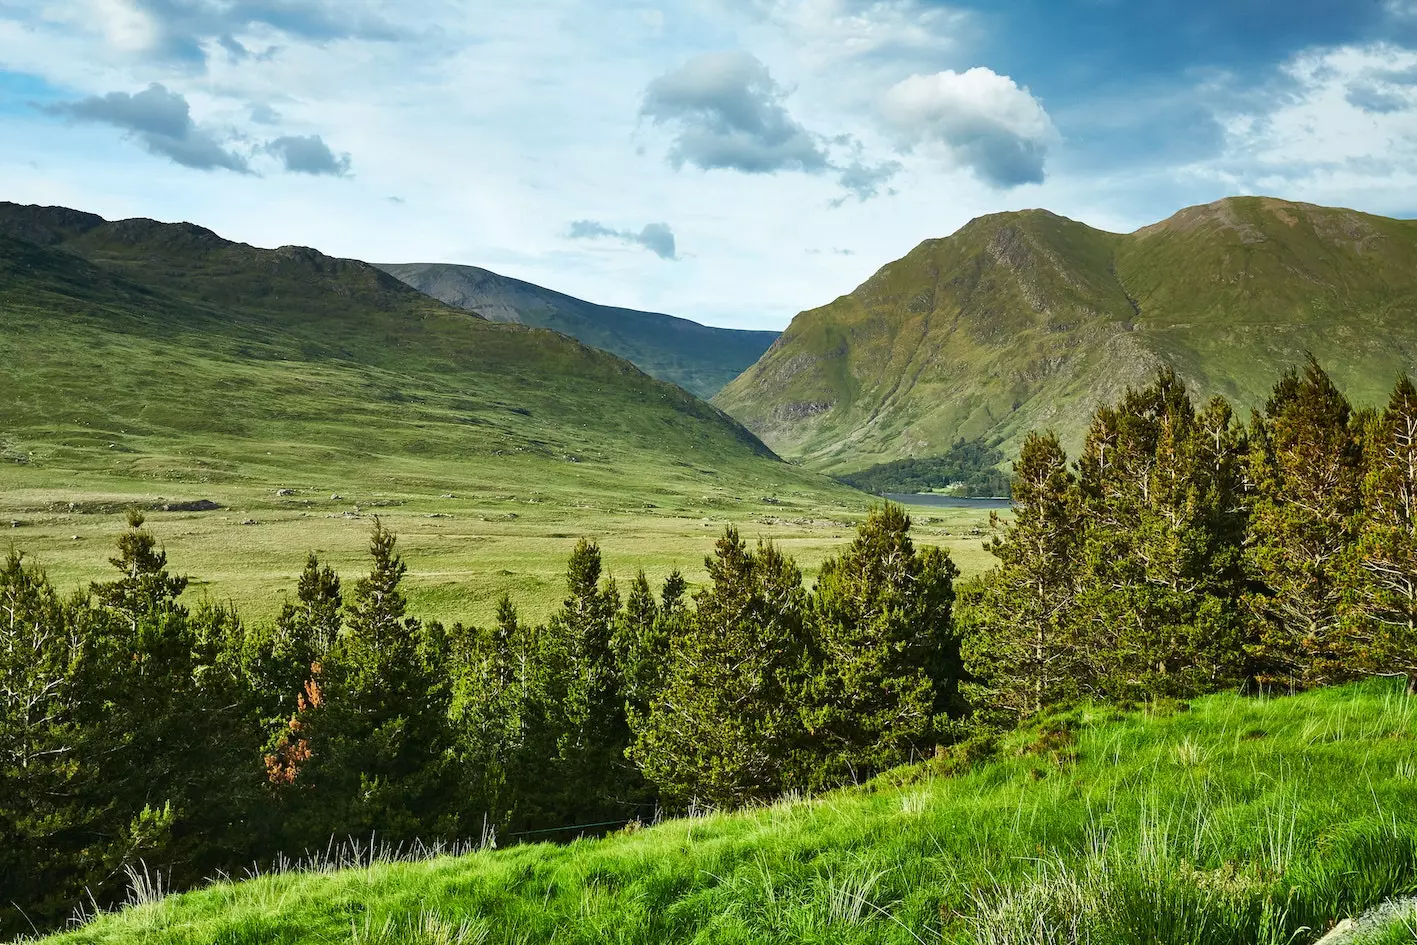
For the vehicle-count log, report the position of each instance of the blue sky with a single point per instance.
(733, 161)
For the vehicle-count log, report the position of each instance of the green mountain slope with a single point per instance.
(698, 358)
(146, 351)
(1028, 320)
(1232, 820)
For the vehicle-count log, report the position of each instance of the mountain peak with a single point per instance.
(1029, 320)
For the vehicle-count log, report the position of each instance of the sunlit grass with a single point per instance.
(1228, 823)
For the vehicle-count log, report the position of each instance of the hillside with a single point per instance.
(1029, 320)
(698, 358)
(209, 353)
(1231, 820)
(154, 363)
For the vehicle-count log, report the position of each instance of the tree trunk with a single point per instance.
(1412, 684)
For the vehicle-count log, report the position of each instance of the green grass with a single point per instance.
(698, 358)
(482, 544)
(1238, 821)
(1027, 320)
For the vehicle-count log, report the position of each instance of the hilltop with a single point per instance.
(1030, 320)
(1229, 820)
(698, 358)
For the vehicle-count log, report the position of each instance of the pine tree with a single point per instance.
(641, 647)
(727, 726)
(43, 827)
(1162, 531)
(492, 710)
(168, 717)
(380, 753)
(1018, 643)
(1306, 465)
(1380, 633)
(582, 728)
(889, 657)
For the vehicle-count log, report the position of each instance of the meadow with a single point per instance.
(1229, 820)
(466, 546)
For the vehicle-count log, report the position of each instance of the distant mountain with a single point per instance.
(159, 351)
(1029, 320)
(698, 358)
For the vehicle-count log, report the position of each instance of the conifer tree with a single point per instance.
(168, 716)
(1380, 633)
(1306, 466)
(888, 656)
(491, 712)
(1162, 528)
(1017, 631)
(376, 722)
(584, 731)
(641, 645)
(727, 726)
(44, 830)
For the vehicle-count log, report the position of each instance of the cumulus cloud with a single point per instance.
(727, 112)
(181, 30)
(161, 121)
(308, 155)
(980, 119)
(658, 238)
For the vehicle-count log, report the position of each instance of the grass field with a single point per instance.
(1236, 821)
(463, 552)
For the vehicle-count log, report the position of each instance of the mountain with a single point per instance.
(140, 350)
(1029, 320)
(698, 358)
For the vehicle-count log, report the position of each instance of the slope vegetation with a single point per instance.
(162, 352)
(698, 358)
(1232, 820)
(1029, 320)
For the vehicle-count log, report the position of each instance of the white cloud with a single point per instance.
(127, 26)
(1342, 129)
(977, 119)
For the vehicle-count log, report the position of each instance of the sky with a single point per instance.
(730, 161)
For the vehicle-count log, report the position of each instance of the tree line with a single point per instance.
(1183, 552)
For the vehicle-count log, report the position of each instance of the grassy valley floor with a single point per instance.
(467, 541)
(1230, 821)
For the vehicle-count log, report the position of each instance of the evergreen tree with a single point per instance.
(1380, 634)
(491, 711)
(1306, 466)
(1017, 630)
(583, 728)
(889, 658)
(727, 725)
(375, 723)
(641, 646)
(43, 826)
(1163, 523)
(169, 721)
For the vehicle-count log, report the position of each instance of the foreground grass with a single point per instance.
(1238, 821)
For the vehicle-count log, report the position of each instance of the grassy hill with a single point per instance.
(156, 364)
(1229, 822)
(698, 358)
(1029, 320)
